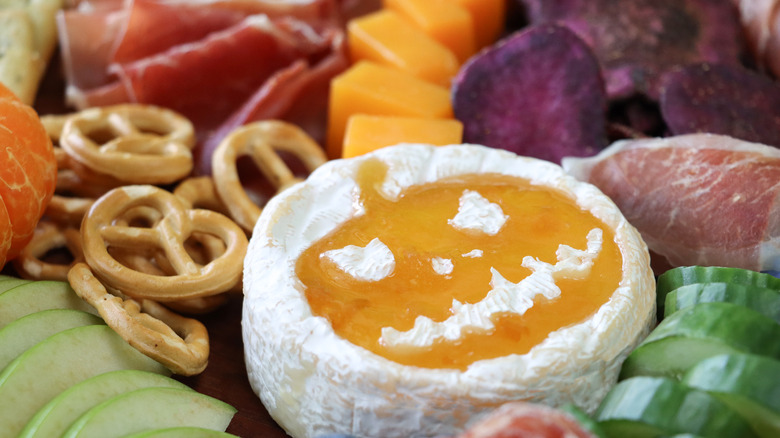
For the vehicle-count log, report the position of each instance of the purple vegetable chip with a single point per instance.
(537, 93)
(722, 99)
(636, 41)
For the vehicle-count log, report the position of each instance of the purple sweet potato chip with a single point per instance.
(637, 41)
(538, 93)
(722, 99)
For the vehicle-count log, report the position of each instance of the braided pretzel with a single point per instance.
(49, 236)
(147, 145)
(179, 343)
(105, 226)
(261, 141)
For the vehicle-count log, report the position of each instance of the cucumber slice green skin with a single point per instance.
(684, 275)
(585, 420)
(653, 406)
(763, 300)
(749, 384)
(699, 332)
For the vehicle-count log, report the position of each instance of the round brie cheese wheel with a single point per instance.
(313, 381)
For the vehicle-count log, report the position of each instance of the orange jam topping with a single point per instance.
(417, 228)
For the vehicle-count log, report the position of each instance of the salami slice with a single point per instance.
(527, 420)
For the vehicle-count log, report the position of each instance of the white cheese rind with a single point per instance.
(314, 382)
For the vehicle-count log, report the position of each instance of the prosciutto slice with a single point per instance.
(698, 199)
(220, 63)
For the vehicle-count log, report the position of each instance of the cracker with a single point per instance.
(19, 60)
(29, 31)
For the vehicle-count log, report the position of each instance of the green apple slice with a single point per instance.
(747, 383)
(18, 336)
(704, 330)
(181, 432)
(59, 362)
(58, 414)
(8, 283)
(151, 408)
(649, 407)
(36, 296)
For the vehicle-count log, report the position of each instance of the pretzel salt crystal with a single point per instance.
(261, 141)
(148, 144)
(179, 343)
(103, 227)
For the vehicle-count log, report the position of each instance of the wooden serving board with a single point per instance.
(225, 377)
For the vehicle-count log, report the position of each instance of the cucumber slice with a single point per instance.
(585, 420)
(645, 407)
(747, 383)
(763, 300)
(707, 329)
(681, 276)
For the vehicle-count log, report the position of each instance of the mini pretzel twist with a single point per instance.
(107, 225)
(76, 188)
(261, 141)
(49, 236)
(179, 343)
(199, 192)
(147, 144)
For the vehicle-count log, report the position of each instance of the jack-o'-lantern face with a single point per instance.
(464, 269)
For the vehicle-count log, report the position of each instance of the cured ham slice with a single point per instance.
(282, 96)
(232, 63)
(220, 63)
(697, 199)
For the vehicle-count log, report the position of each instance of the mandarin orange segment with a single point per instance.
(28, 169)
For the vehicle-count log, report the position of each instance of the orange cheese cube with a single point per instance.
(489, 19)
(445, 21)
(368, 133)
(386, 38)
(369, 88)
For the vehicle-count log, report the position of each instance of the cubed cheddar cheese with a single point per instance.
(386, 38)
(489, 19)
(367, 133)
(445, 21)
(369, 88)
